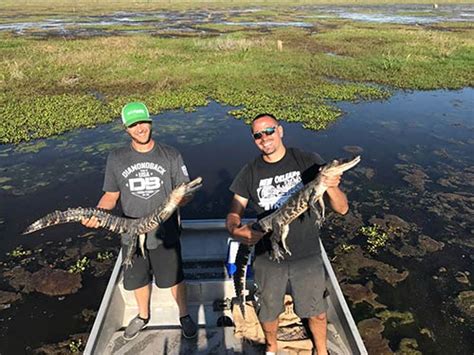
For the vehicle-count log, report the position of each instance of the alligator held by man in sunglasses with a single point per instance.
(278, 222)
(133, 229)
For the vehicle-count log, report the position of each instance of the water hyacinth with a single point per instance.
(64, 85)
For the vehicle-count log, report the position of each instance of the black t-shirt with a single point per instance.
(268, 185)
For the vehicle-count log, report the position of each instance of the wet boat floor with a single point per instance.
(217, 340)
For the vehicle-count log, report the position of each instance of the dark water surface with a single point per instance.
(417, 164)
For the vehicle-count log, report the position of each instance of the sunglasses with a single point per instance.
(267, 131)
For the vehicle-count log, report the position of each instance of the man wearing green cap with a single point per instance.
(142, 175)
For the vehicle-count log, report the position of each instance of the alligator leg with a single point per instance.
(312, 203)
(285, 229)
(323, 209)
(129, 248)
(276, 253)
(141, 243)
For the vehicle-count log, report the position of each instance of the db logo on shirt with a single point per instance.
(144, 187)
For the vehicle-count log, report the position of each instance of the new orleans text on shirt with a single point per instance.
(274, 191)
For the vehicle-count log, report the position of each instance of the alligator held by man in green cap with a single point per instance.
(142, 174)
(131, 228)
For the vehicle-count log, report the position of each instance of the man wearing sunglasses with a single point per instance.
(142, 175)
(267, 182)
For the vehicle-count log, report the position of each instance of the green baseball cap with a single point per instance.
(134, 112)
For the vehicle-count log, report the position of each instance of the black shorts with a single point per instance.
(306, 278)
(164, 263)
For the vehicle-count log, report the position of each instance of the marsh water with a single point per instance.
(201, 21)
(417, 169)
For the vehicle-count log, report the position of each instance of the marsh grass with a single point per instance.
(49, 87)
(94, 5)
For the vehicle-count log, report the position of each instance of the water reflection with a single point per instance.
(416, 174)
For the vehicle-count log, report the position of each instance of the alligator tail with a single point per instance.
(240, 276)
(108, 221)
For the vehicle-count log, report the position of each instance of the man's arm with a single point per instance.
(244, 234)
(337, 198)
(108, 201)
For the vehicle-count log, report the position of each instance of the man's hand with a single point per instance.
(183, 201)
(331, 181)
(246, 235)
(108, 201)
(92, 222)
(337, 198)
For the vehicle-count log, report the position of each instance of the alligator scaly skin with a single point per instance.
(240, 275)
(136, 228)
(278, 222)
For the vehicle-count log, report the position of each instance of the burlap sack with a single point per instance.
(292, 337)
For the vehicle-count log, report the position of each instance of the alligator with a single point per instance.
(278, 222)
(132, 228)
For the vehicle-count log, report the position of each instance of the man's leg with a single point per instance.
(270, 279)
(168, 269)
(270, 329)
(137, 279)
(188, 326)
(308, 285)
(318, 327)
(180, 295)
(142, 296)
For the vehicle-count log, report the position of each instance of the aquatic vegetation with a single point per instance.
(345, 248)
(376, 237)
(75, 346)
(4, 179)
(80, 265)
(34, 147)
(27, 118)
(7, 298)
(400, 318)
(465, 303)
(19, 252)
(359, 293)
(427, 332)
(105, 255)
(408, 347)
(371, 332)
(351, 264)
(62, 85)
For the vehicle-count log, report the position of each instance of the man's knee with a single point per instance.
(319, 318)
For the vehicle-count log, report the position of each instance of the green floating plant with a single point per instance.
(75, 345)
(376, 238)
(80, 265)
(346, 248)
(19, 252)
(105, 255)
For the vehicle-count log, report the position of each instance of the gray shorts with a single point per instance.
(164, 263)
(307, 282)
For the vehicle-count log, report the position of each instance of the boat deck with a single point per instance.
(216, 340)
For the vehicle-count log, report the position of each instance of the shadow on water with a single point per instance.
(417, 163)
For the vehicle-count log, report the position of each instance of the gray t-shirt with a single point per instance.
(144, 181)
